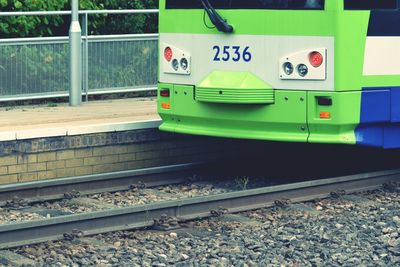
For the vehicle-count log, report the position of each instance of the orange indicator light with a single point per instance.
(325, 115)
(165, 105)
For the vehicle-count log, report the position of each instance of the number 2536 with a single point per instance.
(234, 53)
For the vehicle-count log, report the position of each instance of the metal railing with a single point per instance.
(32, 68)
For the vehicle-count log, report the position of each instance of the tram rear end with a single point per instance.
(257, 69)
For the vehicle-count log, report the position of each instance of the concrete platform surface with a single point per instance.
(27, 122)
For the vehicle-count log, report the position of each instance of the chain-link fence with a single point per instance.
(39, 67)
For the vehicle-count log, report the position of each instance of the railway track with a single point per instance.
(46, 190)
(86, 224)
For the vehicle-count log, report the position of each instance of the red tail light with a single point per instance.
(164, 92)
(168, 53)
(316, 59)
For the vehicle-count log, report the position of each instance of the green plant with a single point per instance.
(36, 26)
(23, 26)
(242, 182)
(52, 105)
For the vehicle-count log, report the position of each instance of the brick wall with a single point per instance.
(49, 158)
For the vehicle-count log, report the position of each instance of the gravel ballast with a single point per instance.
(352, 230)
(114, 200)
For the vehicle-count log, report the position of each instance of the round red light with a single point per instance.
(316, 59)
(168, 53)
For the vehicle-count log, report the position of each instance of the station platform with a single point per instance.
(57, 141)
(38, 121)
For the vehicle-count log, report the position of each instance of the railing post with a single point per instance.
(85, 32)
(75, 41)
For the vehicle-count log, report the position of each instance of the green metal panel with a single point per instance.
(261, 22)
(283, 121)
(345, 116)
(351, 36)
(169, 100)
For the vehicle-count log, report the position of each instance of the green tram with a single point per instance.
(318, 71)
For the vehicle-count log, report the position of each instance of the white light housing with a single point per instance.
(303, 69)
(180, 62)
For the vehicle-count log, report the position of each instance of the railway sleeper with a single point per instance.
(72, 194)
(392, 186)
(75, 233)
(138, 186)
(166, 223)
(284, 202)
(16, 203)
(338, 193)
(219, 212)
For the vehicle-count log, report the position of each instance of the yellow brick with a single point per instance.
(26, 177)
(17, 168)
(73, 163)
(102, 168)
(91, 161)
(8, 179)
(109, 150)
(127, 157)
(166, 161)
(188, 143)
(47, 175)
(100, 151)
(66, 172)
(3, 170)
(29, 158)
(150, 146)
(134, 148)
(189, 150)
(67, 154)
(152, 154)
(109, 168)
(34, 167)
(52, 165)
(109, 159)
(8, 160)
(140, 164)
(85, 170)
(83, 153)
(48, 156)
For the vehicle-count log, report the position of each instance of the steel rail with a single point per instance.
(13, 235)
(98, 183)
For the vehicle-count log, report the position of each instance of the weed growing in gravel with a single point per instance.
(242, 182)
(52, 105)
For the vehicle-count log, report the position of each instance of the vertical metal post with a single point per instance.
(86, 60)
(75, 39)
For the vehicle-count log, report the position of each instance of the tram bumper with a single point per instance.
(282, 120)
(294, 116)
